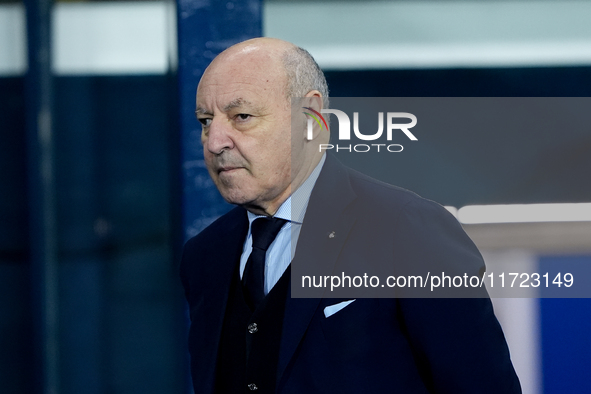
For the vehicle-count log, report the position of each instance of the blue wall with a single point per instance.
(120, 305)
(566, 332)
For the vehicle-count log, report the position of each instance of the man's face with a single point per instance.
(245, 115)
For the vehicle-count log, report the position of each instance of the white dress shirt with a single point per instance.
(282, 250)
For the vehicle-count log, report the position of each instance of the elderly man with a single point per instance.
(247, 332)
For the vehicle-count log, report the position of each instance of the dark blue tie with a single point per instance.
(264, 231)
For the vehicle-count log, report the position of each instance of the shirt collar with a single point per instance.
(294, 208)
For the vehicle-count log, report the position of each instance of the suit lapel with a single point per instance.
(326, 225)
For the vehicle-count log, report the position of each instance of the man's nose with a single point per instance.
(219, 136)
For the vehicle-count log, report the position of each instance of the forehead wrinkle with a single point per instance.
(215, 85)
(242, 103)
(236, 103)
(202, 111)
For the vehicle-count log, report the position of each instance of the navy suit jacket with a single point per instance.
(373, 345)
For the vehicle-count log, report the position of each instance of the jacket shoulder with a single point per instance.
(223, 237)
(392, 199)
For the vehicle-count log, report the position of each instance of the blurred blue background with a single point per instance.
(102, 180)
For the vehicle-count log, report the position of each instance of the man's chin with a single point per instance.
(245, 202)
(235, 196)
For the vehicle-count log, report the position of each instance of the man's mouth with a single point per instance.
(227, 169)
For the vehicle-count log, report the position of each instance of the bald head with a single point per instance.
(260, 46)
(302, 73)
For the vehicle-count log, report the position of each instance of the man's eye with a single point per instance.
(205, 121)
(243, 117)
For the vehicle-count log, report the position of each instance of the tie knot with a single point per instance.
(264, 231)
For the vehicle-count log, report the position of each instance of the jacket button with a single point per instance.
(252, 387)
(252, 328)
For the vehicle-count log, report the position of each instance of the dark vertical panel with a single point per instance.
(119, 291)
(15, 287)
(205, 28)
(13, 207)
(133, 158)
(41, 193)
(82, 281)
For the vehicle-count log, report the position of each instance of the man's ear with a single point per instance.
(316, 96)
(316, 122)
